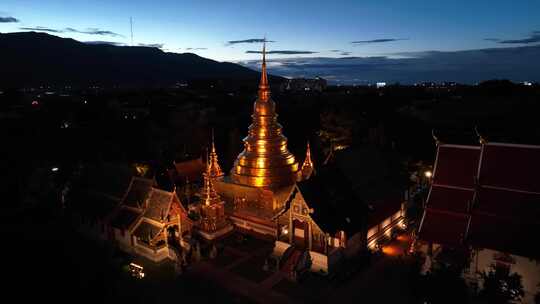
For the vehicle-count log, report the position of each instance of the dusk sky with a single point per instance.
(313, 29)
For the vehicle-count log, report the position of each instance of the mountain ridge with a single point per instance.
(33, 58)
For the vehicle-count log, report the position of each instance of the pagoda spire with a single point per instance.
(209, 193)
(307, 167)
(213, 164)
(264, 88)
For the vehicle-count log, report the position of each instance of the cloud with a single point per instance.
(94, 31)
(335, 51)
(492, 39)
(41, 29)
(470, 66)
(284, 52)
(534, 37)
(152, 45)
(252, 40)
(196, 48)
(345, 53)
(106, 43)
(8, 20)
(89, 31)
(378, 40)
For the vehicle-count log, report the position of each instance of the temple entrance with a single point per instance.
(300, 234)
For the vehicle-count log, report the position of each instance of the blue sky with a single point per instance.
(299, 29)
(316, 26)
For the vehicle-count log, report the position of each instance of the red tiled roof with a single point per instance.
(505, 215)
(192, 169)
(450, 199)
(456, 166)
(443, 227)
(508, 204)
(384, 208)
(513, 236)
(511, 166)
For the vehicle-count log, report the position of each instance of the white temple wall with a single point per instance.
(529, 270)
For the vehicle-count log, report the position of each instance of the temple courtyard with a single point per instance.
(239, 269)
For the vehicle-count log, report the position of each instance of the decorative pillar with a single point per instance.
(291, 227)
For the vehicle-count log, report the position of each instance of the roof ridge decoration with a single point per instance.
(436, 138)
(481, 138)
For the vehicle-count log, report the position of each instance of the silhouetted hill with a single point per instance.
(31, 58)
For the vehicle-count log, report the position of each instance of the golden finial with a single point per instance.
(264, 88)
(212, 164)
(481, 139)
(308, 161)
(307, 167)
(213, 146)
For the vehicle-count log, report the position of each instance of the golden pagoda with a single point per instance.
(266, 161)
(213, 164)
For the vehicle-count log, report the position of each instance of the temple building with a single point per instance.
(322, 214)
(484, 201)
(315, 214)
(149, 221)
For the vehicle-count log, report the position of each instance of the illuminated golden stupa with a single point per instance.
(266, 161)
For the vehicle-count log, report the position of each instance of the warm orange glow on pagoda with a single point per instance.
(265, 161)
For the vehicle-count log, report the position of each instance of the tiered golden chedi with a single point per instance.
(266, 161)
(212, 207)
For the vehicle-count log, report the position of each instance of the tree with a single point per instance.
(500, 286)
(443, 284)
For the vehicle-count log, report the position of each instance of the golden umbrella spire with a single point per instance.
(265, 161)
(307, 167)
(264, 88)
(209, 194)
(215, 169)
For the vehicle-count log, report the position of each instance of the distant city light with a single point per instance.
(54, 169)
(35, 103)
(381, 85)
(527, 83)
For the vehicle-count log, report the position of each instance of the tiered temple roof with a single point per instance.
(138, 192)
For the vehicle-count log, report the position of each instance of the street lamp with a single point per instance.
(428, 175)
